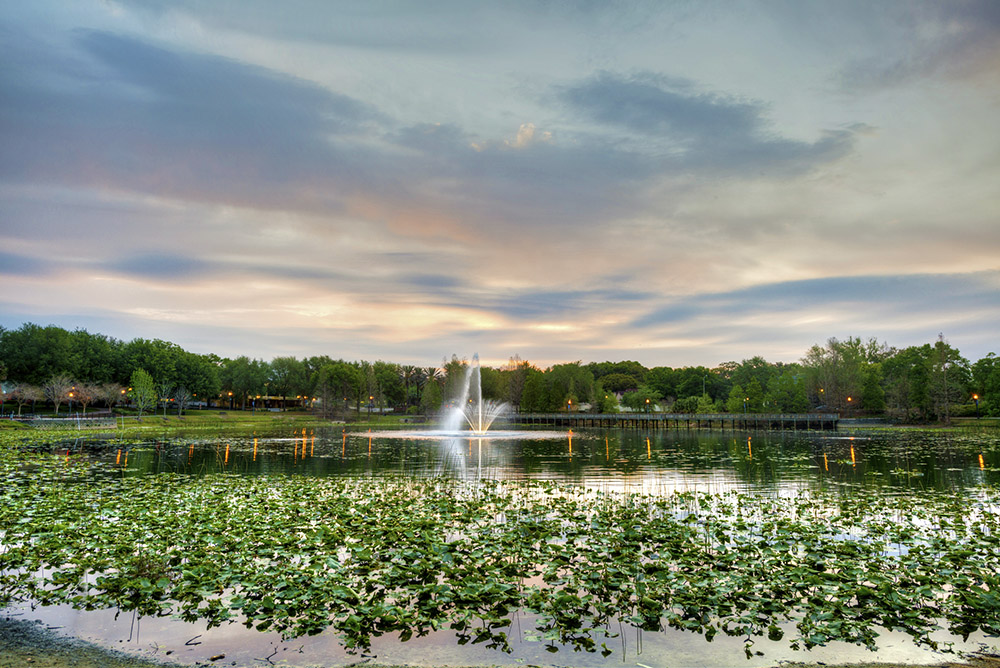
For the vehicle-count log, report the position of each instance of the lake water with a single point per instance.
(779, 463)
(905, 461)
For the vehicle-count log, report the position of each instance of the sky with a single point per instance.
(676, 183)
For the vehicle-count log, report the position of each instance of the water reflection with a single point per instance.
(660, 461)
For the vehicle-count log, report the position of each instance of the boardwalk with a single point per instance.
(750, 421)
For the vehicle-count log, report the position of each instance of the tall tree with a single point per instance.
(245, 377)
(34, 354)
(951, 376)
(337, 382)
(786, 393)
(286, 375)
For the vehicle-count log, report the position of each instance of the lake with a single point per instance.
(894, 463)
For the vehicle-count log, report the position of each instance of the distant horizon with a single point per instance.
(678, 184)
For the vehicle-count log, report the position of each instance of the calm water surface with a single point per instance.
(904, 461)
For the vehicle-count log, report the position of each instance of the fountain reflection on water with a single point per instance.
(468, 417)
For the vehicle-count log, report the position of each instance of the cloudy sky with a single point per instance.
(671, 182)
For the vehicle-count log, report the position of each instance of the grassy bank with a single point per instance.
(218, 420)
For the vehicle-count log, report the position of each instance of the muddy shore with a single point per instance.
(25, 643)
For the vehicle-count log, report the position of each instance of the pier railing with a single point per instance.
(743, 421)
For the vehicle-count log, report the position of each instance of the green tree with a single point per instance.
(872, 393)
(906, 382)
(986, 384)
(643, 398)
(286, 375)
(514, 375)
(245, 377)
(567, 384)
(604, 401)
(95, 357)
(453, 377)
(534, 398)
(388, 384)
(335, 383)
(158, 358)
(34, 354)
(754, 395)
(786, 392)
(199, 374)
(430, 397)
(950, 378)
(663, 379)
(686, 405)
(619, 382)
(693, 381)
(737, 401)
(836, 371)
(142, 391)
(705, 405)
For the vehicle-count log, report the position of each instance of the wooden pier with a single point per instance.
(718, 421)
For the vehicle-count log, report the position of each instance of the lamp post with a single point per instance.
(371, 398)
(569, 406)
(745, 400)
(71, 404)
(975, 397)
(647, 404)
(849, 400)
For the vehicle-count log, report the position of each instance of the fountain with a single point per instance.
(468, 418)
(471, 408)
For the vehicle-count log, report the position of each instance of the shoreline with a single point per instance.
(25, 642)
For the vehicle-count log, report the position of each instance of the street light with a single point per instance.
(975, 397)
(569, 405)
(371, 398)
(70, 403)
(745, 400)
(647, 404)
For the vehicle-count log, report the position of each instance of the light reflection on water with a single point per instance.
(191, 644)
(631, 461)
(657, 462)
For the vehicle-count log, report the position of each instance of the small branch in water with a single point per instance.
(268, 657)
(192, 641)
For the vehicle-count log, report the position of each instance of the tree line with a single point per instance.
(917, 383)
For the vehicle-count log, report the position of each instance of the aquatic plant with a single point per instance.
(370, 556)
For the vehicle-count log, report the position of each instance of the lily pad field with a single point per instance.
(581, 548)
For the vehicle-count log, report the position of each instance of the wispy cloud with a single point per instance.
(564, 181)
(698, 130)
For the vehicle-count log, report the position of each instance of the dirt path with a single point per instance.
(28, 644)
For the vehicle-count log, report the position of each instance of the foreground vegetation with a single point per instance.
(375, 556)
